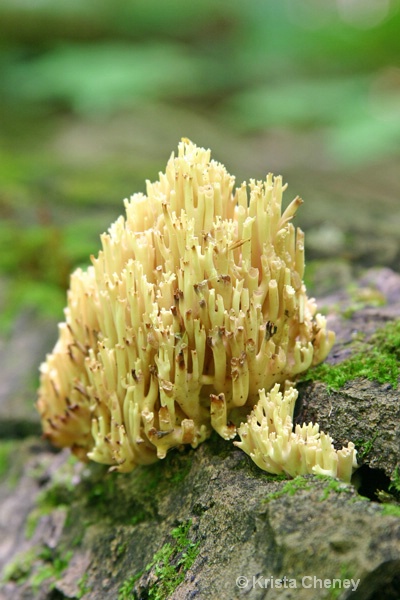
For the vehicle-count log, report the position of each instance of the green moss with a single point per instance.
(335, 486)
(54, 497)
(40, 511)
(305, 483)
(62, 489)
(32, 522)
(364, 447)
(6, 450)
(77, 539)
(127, 589)
(53, 566)
(139, 517)
(180, 472)
(280, 477)
(121, 549)
(37, 565)
(290, 488)
(169, 565)
(131, 503)
(57, 496)
(391, 509)
(132, 496)
(172, 562)
(377, 360)
(346, 572)
(101, 492)
(83, 587)
(395, 483)
(172, 470)
(149, 478)
(19, 569)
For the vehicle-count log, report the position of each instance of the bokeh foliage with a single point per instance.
(75, 76)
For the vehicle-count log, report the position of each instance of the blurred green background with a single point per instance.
(95, 94)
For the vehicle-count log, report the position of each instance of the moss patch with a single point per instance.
(52, 567)
(103, 489)
(364, 447)
(6, 451)
(335, 486)
(346, 572)
(377, 360)
(301, 482)
(290, 488)
(37, 565)
(83, 587)
(19, 569)
(168, 566)
(391, 509)
(395, 484)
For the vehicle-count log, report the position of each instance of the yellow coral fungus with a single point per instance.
(270, 441)
(194, 304)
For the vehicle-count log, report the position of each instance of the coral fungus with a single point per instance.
(194, 304)
(270, 441)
